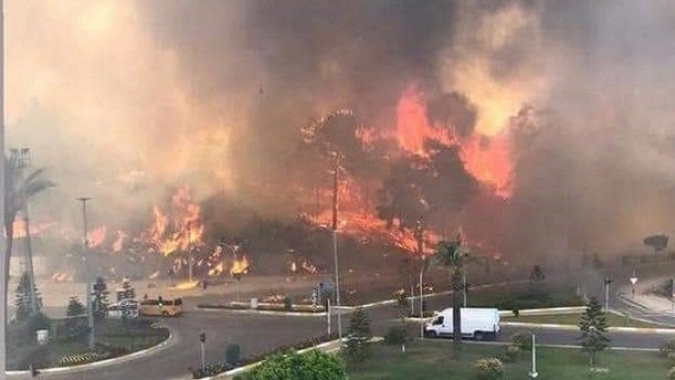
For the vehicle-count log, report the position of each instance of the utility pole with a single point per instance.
(90, 309)
(335, 246)
(4, 262)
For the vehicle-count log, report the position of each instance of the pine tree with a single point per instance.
(75, 307)
(593, 326)
(128, 291)
(22, 302)
(100, 298)
(356, 348)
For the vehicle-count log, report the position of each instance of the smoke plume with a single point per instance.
(559, 111)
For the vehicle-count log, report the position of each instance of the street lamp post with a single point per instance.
(608, 281)
(422, 300)
(90, 310)
(336, 169)
(633, 280)
(533, 371)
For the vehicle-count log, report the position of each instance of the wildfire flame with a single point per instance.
(488, 158)
(179, 230)
(96, 237)
(240, 266)
(35, 228)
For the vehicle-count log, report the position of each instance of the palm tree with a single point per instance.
(449, 254)
(18, 189)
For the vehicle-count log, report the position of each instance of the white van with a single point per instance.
(477, 323)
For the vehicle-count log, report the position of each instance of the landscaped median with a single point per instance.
(266, 307)
(570, 320)
(67, 347)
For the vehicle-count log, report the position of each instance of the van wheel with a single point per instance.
(432, 334)
(478, 335)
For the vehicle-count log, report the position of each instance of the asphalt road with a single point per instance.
(258, 334)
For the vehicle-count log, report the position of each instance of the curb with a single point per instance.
(261, 312)
(103, 363)
(573, 327)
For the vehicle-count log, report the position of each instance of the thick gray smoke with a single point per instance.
(216, 93)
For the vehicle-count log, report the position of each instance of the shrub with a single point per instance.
(667, 347)
(233, 354)
(522, 340)
(489, 369)
(396, 335)
(292, 366)
(671, 374)
(84, 358)
(510, 354)
(288, 304)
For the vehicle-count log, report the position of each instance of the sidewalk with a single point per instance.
(649, 302)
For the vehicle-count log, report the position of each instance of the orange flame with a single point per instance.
(486, 158)
(178, 231)
(96, 237)
(35, 228)
(412, 126)
(240, 266)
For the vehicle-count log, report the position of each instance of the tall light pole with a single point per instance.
(4, 262)
(90, 309)
(633, 280)
(336, 168)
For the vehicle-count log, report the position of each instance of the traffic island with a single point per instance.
(267, 306)
(68, 349)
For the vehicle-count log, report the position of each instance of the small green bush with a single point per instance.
(671, 374)
(233, 354)
(667, 347)
(489, 369)
(288, 304)
(396, 335)
(522, 340)
(510, 354)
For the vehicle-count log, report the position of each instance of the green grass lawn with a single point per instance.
(614, 320)
(431, 360)
(113, 338)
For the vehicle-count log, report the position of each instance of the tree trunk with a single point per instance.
(9, 228)
(456, 318)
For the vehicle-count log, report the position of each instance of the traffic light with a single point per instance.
(202, 337)
(161, 301)
(608, 281)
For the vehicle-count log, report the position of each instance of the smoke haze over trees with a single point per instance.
(123, 99)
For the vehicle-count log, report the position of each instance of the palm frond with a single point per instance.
(36, 186)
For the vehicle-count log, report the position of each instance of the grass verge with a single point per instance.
(431, 360)
(613, 320)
